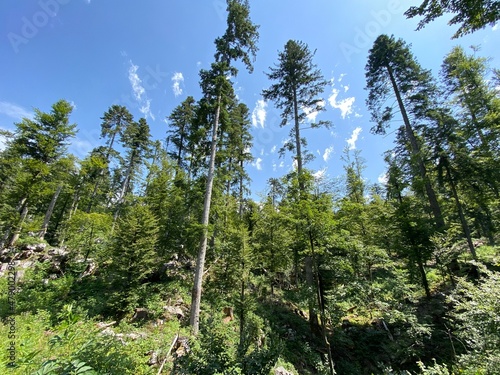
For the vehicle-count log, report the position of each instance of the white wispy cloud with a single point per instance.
(177, 78)
(257, 164)
(496, 26)
(139, 91)
(259, 113)
(14, 111)
(383, 178)
(354, 137)
(146, 109)
(135, 81)
(318, 175)
(273, 149)
(344, 105)
(327, 153)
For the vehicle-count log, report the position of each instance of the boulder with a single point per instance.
(281, 371)
(140, 314)
(173, 312)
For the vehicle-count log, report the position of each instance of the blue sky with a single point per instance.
(146, 55)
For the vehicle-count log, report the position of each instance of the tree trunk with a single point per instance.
(461, 215)
(423, 275)
(124, 189)
(48, 214)
(194, 319)
(23, 204)
(415, 150)
(101, 173)
(321, 305)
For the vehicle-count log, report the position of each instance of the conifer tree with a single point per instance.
(40, 143)
(296, 92)
(392, 69)
(238, 43)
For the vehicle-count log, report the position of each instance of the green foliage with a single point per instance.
(470, 15)
(476, 316)
(133, 255)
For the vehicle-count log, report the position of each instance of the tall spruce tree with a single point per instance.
(40, 143)
(393, 70)
(237, 43)
(299, 84)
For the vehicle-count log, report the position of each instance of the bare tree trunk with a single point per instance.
(23, 206)
(123, 191)
(194, 319)
(48, 214)
(101, 174)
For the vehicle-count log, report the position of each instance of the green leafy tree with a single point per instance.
(471, 15)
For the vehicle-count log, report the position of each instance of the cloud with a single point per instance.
(273, 150)
(354, 137)
(139, 91)
(383, 178)
(257, 164)
(146, 109)
(312, 114)
(14, 111)
(259, 113)
(345, 105)
(318, 175)
(327, 153)
(177, 78)
(135, 81)
(496, 26)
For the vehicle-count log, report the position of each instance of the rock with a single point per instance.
(102, 325)
(173, 311)
(153, 359)
(281, 371)
(140, 314)
(181, 346)
(108, 332)
(135, 336)
(228, 315)
(40, 247)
